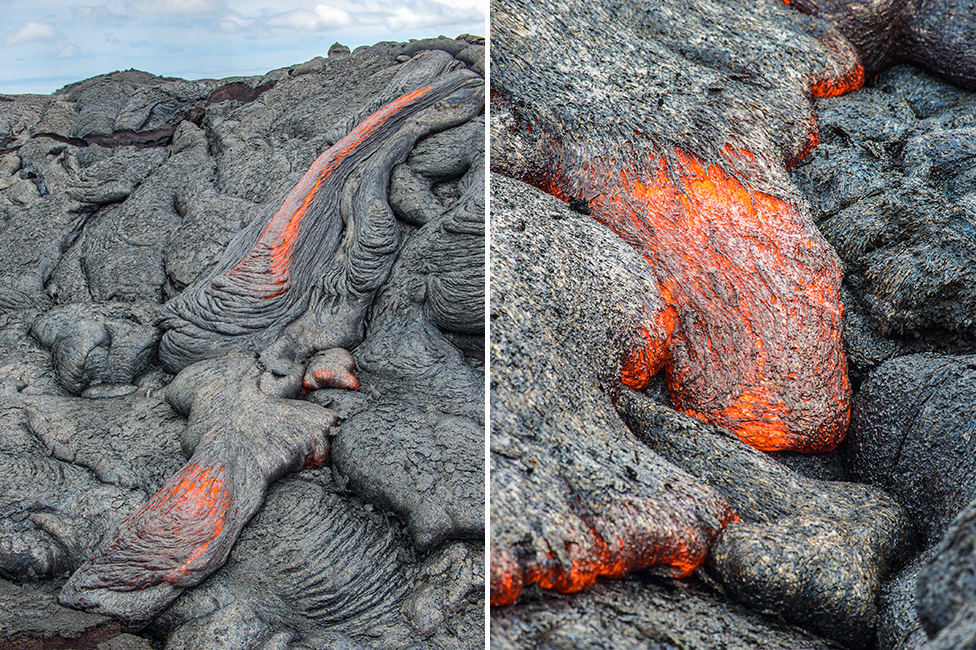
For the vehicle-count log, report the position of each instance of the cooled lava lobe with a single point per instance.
(675, 129)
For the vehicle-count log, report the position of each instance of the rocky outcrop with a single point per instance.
(124, 192)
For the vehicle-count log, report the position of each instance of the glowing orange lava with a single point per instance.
(675, 552)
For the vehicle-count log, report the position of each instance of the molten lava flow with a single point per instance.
(265, 266)
(849, 80)
(173, 538)
(672, 545)
(753, 291)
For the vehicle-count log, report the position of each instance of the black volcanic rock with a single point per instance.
(890, 186)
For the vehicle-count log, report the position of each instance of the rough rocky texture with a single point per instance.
(32, 618)
(947, 587)
(97, 345)
(574, 495)
(245, 430)
(265, 279)
(934, 34)
(135, 186)
(589, 103)
(898, 624)
(890, 186)
(677, 160)
(643, 612)
(814, 552)
(912, 435)
(347, 579)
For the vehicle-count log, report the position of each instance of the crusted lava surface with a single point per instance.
(677, 128)
(934, 34)
(685, 151)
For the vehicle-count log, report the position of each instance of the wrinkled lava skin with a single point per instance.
(756, 346)
(934, 34)
(268, 274)
(750, 289)
(245, 431)
(247, 427)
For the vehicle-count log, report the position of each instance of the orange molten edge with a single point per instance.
(679, 560)
(744, 261)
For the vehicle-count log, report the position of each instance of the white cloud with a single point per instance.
(177, 7)
(30, 33)
(99, 14)
(323, 18)
(68, 51)
(404, 18)
(479, 6)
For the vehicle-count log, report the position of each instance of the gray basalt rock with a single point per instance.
(652, 118)
(947, 587)
(584, 95)
(391, 596)
(646, 613)
(32, 618)
(934, 34)
(890, 186)
(63, 488)
(96, 344)
(911, 434)
(425, 338)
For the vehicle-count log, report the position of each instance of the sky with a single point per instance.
(47, 44)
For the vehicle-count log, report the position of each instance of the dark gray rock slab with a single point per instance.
(911, 434)
(947, 587)
(30, 617)
(890, 186)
